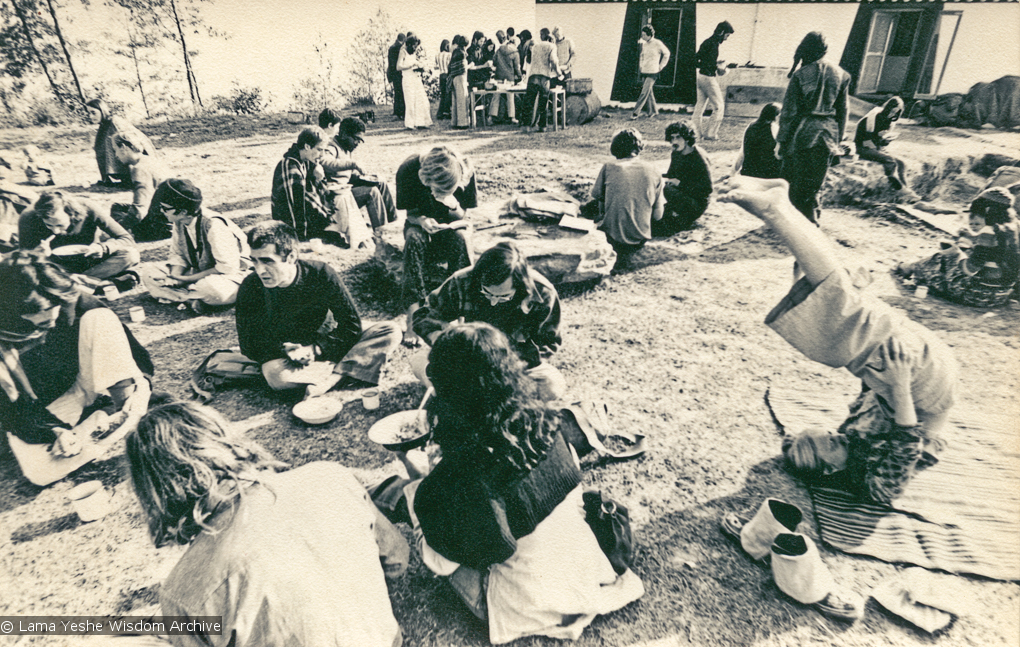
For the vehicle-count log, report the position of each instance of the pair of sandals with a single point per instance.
(771, 536)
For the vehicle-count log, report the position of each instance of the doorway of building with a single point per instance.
(673, 22)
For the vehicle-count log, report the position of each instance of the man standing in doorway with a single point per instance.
(653, 57)
(394, 76)
(708, 85)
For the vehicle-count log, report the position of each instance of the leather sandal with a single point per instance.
(730, 526)
(841, 604)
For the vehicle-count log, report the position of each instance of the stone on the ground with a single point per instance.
(562, 256)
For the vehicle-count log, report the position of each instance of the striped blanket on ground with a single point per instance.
(961, 515)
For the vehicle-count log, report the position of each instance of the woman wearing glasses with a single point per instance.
(502, 290)
(209, 255)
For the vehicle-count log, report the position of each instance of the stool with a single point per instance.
(558, 105)
(477, 105)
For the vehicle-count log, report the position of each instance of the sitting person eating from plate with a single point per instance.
(74, 379)
(209, 255)
(501, 289)
(339, 166)
(82, 238)
(501, 515)
(296, 318)
(436, 188)
(907, 373)
(283, 557)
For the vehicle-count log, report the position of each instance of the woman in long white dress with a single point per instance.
(417, 110)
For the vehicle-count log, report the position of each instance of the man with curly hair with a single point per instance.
(629, 193)
(688, 182)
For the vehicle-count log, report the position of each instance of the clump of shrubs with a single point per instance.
(243, 101)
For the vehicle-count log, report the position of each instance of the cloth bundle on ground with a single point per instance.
(961, 515)
(544, 206)
(996, 103)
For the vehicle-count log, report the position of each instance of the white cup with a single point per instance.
(315, 245)
(90, 500)
(137, 314)
(111, 292)
(370, 400)
(921, 292)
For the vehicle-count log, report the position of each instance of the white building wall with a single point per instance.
(596, 29)
(768, 33)
(987, 45)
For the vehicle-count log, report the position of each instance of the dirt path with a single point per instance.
(676, 348)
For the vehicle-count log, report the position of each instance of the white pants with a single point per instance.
(104, 359)
(214, 290)
(709, 92)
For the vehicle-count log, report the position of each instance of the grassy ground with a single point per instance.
(676, 348)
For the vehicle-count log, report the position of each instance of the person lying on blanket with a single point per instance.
(907, 374)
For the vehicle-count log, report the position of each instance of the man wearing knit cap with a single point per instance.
(209, 255)
(436, 188)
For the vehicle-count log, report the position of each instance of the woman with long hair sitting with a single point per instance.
(289, 558)
(74, 379)
(501, 514)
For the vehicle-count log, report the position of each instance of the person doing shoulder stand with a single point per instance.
(652, 59)
(209, 255)
(908, 374)
(296, 557)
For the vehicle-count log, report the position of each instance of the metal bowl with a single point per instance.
(317, 411)
(401, 431)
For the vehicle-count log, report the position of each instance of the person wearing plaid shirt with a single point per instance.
(501, 290)
(297, 197)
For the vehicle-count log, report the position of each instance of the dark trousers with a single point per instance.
(536, 101)
(430, 259)
(894, 168)
(398, 94)
(680, 213)
(805, 171)
(445, 97)
(381, 210)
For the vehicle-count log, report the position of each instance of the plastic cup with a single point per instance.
(111, 292)
(90, 500)
(921, 292)
(370, 400)
(137, 314)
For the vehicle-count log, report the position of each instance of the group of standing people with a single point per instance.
(463, 65)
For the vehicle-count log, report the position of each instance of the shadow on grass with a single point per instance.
(762, 243)
(249, 203)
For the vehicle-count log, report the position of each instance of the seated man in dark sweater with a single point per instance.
(296, 318)
(688, 182)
